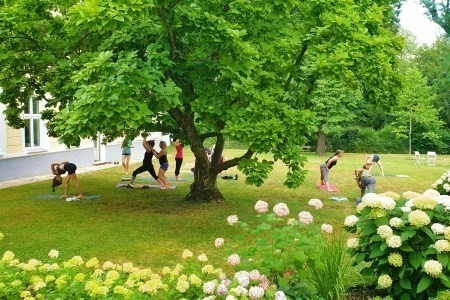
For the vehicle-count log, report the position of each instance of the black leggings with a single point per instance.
(148, 168)
(178, 162)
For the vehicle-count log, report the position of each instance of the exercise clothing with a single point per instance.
(376, 158)
(146, 166)
(179, 151)
(69, 167)
(332, 164)
(163, 159)
(126, 148)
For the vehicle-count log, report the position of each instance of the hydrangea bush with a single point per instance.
(286, 249)
(405, 241)
(75, 278)
(442, 185)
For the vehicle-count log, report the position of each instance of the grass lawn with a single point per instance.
(151, 227)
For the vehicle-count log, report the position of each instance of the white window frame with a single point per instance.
(33, 116)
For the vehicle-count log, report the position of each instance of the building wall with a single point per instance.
(13, 141)
(18, 161)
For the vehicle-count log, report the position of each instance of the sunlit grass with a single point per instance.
(151, 227)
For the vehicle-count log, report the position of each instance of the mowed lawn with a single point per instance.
(152, 227)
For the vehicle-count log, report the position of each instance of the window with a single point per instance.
(32, 119)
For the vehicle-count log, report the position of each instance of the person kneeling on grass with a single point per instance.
(59, 169)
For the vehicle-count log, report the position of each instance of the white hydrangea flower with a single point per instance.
(395, 259)
(394, 241)
(351, 221)
(384, 281)
(442, 246)
(384, 231)
(438, 228)
(396, 222)
(433, 268)
(352, 243)
(233, 219)
(418, 218)
(406, 209)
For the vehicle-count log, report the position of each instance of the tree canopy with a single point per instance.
(243, 70)
(439, 12)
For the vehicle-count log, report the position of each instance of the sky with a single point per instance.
(413, 19)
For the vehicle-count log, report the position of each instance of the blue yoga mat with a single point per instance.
(52, 196)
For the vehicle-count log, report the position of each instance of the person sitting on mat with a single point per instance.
(326, 166)
(59, 169)
(164, 164)
(374, 158)
(146, 163)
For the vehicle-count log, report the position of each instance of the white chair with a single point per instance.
(420, 158)
(431, 158)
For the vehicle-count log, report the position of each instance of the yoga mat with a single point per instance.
(52, 196)
(169, 179)
(144, 186)
(338, 199)
(324, 187)
(390, 175)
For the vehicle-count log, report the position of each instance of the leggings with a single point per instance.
(368, 184)
(144, 168)
(178, 162)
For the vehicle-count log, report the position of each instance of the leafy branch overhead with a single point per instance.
(240, 70)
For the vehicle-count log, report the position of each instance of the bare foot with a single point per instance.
(79, 197)
(164, 188)
(330, 190)
(63, 196)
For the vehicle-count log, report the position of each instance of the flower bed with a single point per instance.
(405, 241)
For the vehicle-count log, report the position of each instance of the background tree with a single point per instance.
(415, 116)
(434, 63)
(334, 105)
(224, 69)
(439, 12)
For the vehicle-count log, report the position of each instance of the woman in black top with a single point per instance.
(326, 166)
(59, 169)
(147, 164)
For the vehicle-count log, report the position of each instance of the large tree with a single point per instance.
(240, 69)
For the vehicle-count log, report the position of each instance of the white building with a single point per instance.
(30, 151)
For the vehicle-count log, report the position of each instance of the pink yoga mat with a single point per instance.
(324, 187)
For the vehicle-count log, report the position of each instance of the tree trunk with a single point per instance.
(321, 143)
(204, 187)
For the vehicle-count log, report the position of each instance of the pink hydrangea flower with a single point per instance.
(316, 203)
(327, 228)
(219, 242)
(305, 217)
(281, 210)
(261, 206)
(234, 260)
(233, 219)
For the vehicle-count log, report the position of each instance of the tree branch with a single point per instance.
(170, 34)
(78, 45)
(297, 62)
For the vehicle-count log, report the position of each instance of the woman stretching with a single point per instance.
(59, 169)
(326, 166)
(164, 164)
(178, 157)
(146, 163)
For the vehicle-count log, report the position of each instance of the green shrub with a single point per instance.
(405, 242)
